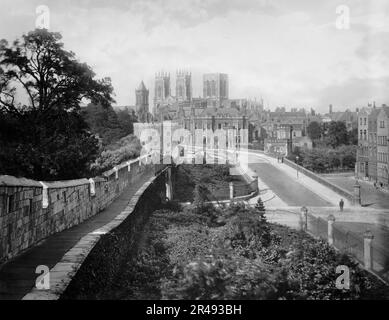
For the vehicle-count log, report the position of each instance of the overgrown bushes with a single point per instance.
(125, 149)
(203, 182)
(235, 255)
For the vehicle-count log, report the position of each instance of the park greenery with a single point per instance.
(109, 125)
(331, 135)
(44, 132)
(334, 148)
(326, 160)
(232, 252)
(203, 182)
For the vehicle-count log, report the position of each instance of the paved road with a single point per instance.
(289, 190)
(370, 196)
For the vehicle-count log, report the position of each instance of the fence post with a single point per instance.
(304, 218)
(331, 220)
(367, 252)
(231, 190)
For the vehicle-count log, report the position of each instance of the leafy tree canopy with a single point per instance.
(314, 130)
(109, 125)
(46, 137)
(337, 133)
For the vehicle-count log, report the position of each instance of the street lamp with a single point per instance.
(297, 165)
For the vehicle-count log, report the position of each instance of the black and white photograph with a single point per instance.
(193, 155)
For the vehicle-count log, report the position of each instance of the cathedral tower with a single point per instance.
(162, 88)
(142, 102)
(215, 88)
(184, 86)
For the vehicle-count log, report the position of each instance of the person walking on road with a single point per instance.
(341, 204)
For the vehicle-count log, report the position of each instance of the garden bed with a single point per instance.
(214, 178)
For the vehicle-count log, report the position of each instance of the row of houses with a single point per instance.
(373, 145)
(286, 130)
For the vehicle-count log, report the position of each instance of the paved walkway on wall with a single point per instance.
(17, 277)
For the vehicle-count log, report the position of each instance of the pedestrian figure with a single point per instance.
(341, 204)
(282, 159)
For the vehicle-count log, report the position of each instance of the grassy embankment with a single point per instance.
(232, 253)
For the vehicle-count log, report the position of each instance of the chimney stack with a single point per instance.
(330, 108)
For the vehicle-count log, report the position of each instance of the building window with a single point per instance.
(364, 121)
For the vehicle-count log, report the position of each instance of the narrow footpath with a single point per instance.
(17, 276)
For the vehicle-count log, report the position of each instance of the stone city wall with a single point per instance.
(30, 210)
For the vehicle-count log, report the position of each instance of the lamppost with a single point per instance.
(297, 165)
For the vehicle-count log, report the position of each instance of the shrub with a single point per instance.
(186, 243)
(125, 149)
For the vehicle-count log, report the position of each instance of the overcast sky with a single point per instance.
(290, 52)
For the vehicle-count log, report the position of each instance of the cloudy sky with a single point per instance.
(290, 52)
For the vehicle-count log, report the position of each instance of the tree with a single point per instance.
(260, 206)
(46, 137)
(104, 122)
(126, 120)
(314, 130)
(347, 156)
(111, 126)
(353, 136)
(337, 134)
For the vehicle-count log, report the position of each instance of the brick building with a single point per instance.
(373, 145)
(372, 141)
(382, 147)
(363, 143)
